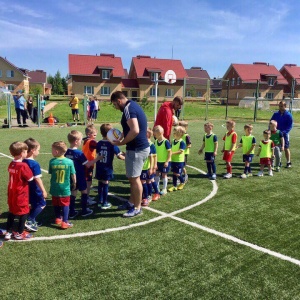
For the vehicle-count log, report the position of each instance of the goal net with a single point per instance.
(249, 102)
(295, 105)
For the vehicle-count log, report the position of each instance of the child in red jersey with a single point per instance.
(18, 191)
(230, 139)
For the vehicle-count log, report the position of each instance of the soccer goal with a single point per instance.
(249, 102)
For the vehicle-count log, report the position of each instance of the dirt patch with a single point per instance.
(49, 106)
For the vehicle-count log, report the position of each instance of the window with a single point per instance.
(169, 92)
(152, 92)
(105, 90)
(0, 73)
(105, 74)
(238, 81)
(199, 94)
(271, 81)
(153, 76)
(188, 94)
(88, 90)
(11, 87)
(10, 73)
(270, 96)
(232, 81)
(254, 94)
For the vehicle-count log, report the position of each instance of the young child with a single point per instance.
(230, 139)
(62, 172)
(210, 146)
(43, 104)
(177, 159)
(148, 173)
(104, 165)
(163, 152)
(187, 139)
(247, 143)
(18, 192)
(89, 150)
(266, 153)
(278, 139)
(79, 159)
(37, 192)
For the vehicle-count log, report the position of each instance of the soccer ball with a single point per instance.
(175, 120)
(114, 134)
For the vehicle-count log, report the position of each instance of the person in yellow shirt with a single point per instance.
(74, 106)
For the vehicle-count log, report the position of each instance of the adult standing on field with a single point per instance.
(74, 104)
(134, 123)
(21, 108)
(284, 121)
(165, 114)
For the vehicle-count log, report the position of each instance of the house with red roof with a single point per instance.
(197, 84)
(12, 77)
(39, 78)
(291, 72)
(244, 79)
(143, 70)
(98, 75)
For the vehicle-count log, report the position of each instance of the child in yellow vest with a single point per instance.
(177, 159)
(230, 139)
(187, 139)
(247, 143)
(266, 153)
(210, 146)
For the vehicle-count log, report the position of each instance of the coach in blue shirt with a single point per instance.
(284, 121)
(21, 109)
(134, 123)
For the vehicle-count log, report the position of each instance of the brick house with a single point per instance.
(243, 79)
(291, 72)
(39, 78)
(143, 69)
(12, 77)
(196, 84)
(98, 75)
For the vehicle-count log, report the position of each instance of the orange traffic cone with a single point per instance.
(51, 120)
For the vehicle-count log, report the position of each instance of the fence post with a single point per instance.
(38, 110)
(256, 98)
(85, 110)
(227, 99)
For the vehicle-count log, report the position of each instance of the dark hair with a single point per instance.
(178, 99)
(267, 131)
(104, 128)
(117, 95)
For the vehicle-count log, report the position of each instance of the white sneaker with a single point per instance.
(91, 201)
(244, 176)
(227, 176)
(270, 173)
(260, 174)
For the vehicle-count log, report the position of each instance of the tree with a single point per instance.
(56, 82)
(36, 90)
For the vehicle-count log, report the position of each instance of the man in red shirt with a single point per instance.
(18, 191)
(165, 114)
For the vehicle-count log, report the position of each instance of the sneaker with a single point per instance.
(181, 186)
(186, 178)
(8, 236)
(58, 221)
(87, 212)
(145, 202)
(73, 214)
(3, 232)
(260, 174)
(132, 212)
(213, 177)
(277, 169)
(23, 236)
(289, 165)
(106, 205)
(149, 198)
(208, 175)
(270, 173)
(244, 176)
(249, 175)
(66, 225)
(91, 201)
(155, 197)
(32, 226)
(126, 205)
(227, 176)
(163, 192)
(172, 189)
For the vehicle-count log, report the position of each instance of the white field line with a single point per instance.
(172, 216)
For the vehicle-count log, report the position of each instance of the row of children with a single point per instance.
(269, 152)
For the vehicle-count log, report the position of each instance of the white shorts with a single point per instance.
(134, 161)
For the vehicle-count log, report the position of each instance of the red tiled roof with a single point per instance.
(38, 76)
(254, 72)
(144, 63)
(292, 69)
(130, 83)
(90, 64)
(197, 76)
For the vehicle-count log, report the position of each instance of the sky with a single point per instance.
(209, 34)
